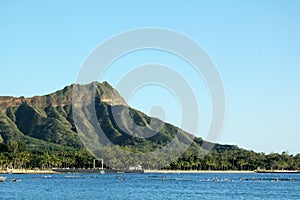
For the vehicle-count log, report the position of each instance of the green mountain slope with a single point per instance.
(49, 118)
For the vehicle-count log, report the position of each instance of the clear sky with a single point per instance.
(255, 46)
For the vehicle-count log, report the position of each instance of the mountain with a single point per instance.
(49, 119)
(58, 127)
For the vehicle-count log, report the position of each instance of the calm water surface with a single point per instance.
(151, 186)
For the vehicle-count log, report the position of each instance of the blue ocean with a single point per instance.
(151, 186)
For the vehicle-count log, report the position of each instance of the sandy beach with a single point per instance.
(194, 171)
(27, 171)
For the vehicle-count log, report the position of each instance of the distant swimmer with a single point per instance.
(163, 178)
(15, 180)
(122, 179)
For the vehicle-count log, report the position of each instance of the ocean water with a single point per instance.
(152, 186)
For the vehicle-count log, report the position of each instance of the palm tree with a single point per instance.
(4, 161)
(45, 160)
(241, 162)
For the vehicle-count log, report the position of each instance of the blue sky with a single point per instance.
(255, 46)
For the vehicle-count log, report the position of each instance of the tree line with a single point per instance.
(237, 160)
(15, 154)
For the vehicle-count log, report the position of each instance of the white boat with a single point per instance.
(2, 178)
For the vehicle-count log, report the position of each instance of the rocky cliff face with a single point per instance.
(63, 97)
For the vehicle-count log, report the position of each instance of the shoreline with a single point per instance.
(27, 171)
(220, 171)
(197, 172)
(92, 171)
